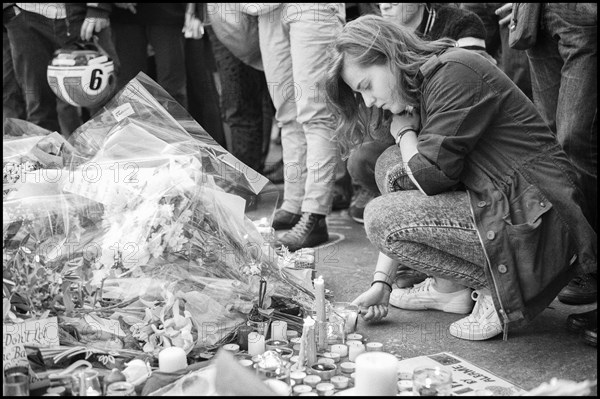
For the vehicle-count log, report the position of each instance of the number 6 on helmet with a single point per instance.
(82, 77)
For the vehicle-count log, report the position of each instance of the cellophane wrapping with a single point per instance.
(140, 229)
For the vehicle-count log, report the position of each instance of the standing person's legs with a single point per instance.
(203, 98)
(313, 27)
(243, 88)
(33, 39)
(515, 64)
(13, 105)
(169, 53)
(563, 73)
(131, 46)
(564, 68)
(361, 163)
(277, 62)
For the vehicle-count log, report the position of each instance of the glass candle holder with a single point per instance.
(334, 332)
(432, 381)
(16, 384)
(345, 312)
(261, 327)
(86, 383)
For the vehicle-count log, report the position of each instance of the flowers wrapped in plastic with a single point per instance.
(149, 229)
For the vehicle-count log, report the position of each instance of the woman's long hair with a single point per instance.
(372, 40)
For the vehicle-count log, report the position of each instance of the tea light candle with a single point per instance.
(246, 362)
(348, 367)
(354, 351)
(332, 355)
(295, 340)
(354, 342)
(299, 389)
(341, 349)
(405, 385)
(278, 330)
(275, 343)
(233, 348)
(354, 336)
(325, 360)
(291, 334)
(325, 371)
(172, 359)
(325, 389)
(340, 381)
(294, 359)
(374, 347)
(256, 343)
(298, 376)
(309, 394)
(376, 374)
(311, 380)
(279, 387)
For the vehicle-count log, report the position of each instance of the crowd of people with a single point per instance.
(471, 164)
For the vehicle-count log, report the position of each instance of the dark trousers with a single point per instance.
(203, 97)
(246, 106)
(131, 42)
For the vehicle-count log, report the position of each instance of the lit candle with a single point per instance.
(341, 349)
(278, 330)
(172, 359)
(354, 351)
(319, 284)
(376, 374)
(256, 343)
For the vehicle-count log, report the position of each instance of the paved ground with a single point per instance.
(532, 355)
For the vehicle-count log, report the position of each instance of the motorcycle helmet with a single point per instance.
(82, 75)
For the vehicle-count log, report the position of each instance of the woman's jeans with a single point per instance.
(564, 63)
(435, 234)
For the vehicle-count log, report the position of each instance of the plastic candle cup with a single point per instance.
(340, 381)
(374, 347)
(341, 349)
(376, 374)
(256, 343)
(354, 351)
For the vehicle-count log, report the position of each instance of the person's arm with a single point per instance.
(459, 107)
(373, 303)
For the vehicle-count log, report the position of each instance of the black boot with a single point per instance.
(580, 290)
(284, 220)
(310, 231)
(580, 321)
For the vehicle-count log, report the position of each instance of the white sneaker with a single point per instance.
(423, 296)
(482, 323)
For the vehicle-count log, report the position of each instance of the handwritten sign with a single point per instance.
(38, 333)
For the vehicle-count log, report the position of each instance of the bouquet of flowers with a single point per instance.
(148, 234)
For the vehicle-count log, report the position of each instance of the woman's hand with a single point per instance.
(373, 303)
(405, 120)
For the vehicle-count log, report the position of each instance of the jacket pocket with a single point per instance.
(523, 225)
